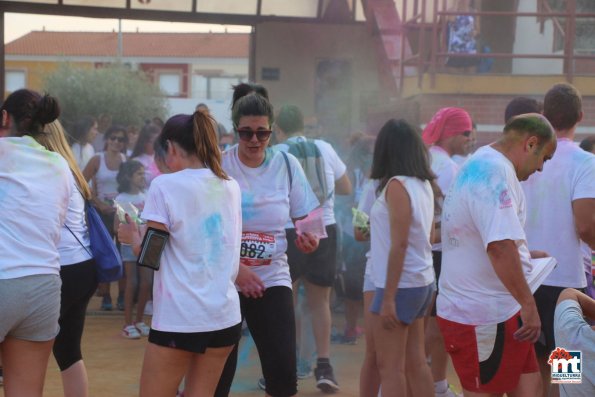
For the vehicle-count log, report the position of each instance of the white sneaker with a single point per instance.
(142, 328)
(448, 393)
(149, 308)
(130, 332)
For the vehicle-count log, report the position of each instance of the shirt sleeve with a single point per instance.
(156, 208)
(584, 186)
(339, 168)
(571, 330)
(302, 199)
(494, 202)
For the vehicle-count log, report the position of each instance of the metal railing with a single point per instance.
(430, 60)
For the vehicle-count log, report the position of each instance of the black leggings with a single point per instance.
(79, 282)
(271, 322)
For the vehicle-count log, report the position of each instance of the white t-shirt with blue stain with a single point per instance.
(267, 203)
(485, 203)
(194, 289)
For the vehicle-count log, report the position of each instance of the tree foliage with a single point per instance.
(125, 95)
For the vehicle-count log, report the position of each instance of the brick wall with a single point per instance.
(486, 109)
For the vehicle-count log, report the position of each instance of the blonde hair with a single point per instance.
(53, 138)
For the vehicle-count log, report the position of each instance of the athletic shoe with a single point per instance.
(106, 303)
(448, 393)
(304, 369)
(130, 332)
(149, 308)
(142, 328)
(325, 379)
(262, 384)
(120, 303)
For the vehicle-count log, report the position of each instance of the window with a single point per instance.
(214, 87)
(170, 83)
(15, 79)
(220, 87)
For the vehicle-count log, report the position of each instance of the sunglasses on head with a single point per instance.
(246, 134)
(120, 139)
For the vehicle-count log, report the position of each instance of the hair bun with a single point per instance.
(47, 110)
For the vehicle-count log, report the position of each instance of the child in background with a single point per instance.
(131, 186)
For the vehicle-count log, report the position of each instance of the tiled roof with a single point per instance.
(105, 44)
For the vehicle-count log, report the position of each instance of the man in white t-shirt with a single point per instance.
(486, 311)
(561, 211)
(317, 270)
(449, 134)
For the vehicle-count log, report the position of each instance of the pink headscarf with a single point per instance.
(447, 122)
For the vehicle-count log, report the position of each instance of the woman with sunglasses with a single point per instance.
(103, 169)
(274, 189)
(448, 134)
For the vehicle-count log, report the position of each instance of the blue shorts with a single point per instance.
(412, 303)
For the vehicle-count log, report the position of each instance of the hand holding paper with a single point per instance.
(313, 224)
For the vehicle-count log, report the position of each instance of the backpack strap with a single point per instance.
(77, 239)
(288, 168)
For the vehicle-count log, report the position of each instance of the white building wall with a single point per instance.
(529, 40)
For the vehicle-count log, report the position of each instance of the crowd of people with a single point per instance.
(483, 257)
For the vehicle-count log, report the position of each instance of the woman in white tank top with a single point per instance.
(103, 169)
(401, 224)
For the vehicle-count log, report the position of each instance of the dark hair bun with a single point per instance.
(47, 110)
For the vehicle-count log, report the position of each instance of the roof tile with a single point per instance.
(105, 44)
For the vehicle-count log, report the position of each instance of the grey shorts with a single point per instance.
(412, 303)
(30, 307)
(127, 253)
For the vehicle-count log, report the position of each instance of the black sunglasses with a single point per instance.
(120, 139)
(466, 134)
(246, 134)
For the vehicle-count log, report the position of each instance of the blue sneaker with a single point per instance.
(304, 369)
(106, 303)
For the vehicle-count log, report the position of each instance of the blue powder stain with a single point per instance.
(213, 229)
(484, 180)
(248, 209)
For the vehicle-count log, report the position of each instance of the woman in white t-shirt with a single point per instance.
(77, 270)
(83, 133)
(196, 311)
(35, 187)
(274, 189)
(401, 224)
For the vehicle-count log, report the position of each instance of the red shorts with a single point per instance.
(487, 358)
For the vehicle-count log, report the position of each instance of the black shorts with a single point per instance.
(197, 342)
(546, 298)
(437, 262)
(319, 267)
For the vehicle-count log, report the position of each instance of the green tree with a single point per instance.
(126, 95)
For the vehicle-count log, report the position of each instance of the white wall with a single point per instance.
(529, 40)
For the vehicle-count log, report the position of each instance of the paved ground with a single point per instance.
(114, 363)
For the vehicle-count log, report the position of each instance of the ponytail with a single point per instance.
(31, 111)
(205, 139)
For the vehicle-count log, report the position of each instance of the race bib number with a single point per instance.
(257, 249)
